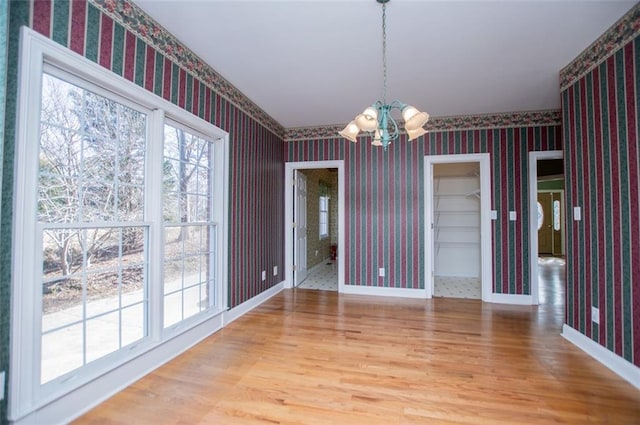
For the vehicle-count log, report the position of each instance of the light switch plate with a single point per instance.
(2, 375)
(577, 213)
(494, 214)
(512, 216)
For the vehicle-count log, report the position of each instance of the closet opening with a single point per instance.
(458, 226)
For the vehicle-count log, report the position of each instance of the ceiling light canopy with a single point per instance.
(377, 118)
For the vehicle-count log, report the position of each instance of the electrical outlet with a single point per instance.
(275, 270)
(264, 275)
(2, 385)
(316, 252)
(381, 272)
(595, 315)
(513, 216)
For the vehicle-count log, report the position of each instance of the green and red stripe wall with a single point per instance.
(385, 200)
(600, 126)
(119, 37)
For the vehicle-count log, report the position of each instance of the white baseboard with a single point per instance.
(247, 306)
(625, 369)
(511, 299)
(381, 291)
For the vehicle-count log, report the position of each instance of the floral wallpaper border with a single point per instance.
(137, 21)
(142, 25)
(463, 122)
(615, 37)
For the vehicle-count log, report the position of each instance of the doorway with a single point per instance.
(458, 226)
(316, 230)
(305, 254)
(547, 221)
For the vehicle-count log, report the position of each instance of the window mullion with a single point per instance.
(153, 212)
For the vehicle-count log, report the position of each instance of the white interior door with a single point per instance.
(300, 228)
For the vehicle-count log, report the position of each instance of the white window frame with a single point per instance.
(323, 214)
(63, 399)
(210, 223)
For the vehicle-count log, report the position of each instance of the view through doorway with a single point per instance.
(547, 229)
(316, 263)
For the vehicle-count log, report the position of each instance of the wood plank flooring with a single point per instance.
(318, 357)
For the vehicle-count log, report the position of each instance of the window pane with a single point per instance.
(172, 309)
(540, 216)
(191, 301)
(88, 145)
(187, 198)
(61, 352)
(556, 215)
(91, 169)
(132, 324)
(103, 336)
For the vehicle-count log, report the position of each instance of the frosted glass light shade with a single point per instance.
(367, 120)
(350, 132)
(413, 119)
(414, 134)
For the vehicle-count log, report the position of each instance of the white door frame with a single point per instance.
(289, 244)
(486, 255)
(534, 157)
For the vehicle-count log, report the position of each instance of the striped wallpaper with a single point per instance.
(5, 246)
(600, 125)
(385, 200)
(256, 154)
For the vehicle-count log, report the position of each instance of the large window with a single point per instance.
(119, 247)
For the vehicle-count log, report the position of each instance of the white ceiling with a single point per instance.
(312, 63)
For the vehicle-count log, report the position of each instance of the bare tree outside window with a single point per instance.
(91, 208)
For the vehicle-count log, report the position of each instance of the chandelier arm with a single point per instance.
(395, 132)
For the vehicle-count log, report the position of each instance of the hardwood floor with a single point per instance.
(318, 357)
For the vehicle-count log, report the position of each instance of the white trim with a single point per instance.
(486, 254)
(622, 367)
(289, 178)
(514, 299)
(250, 304)
(534, 157)
(382, 291)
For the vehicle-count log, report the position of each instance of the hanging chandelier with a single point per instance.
(377, 118)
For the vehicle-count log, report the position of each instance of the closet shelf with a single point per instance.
(458, 211)
(455, 227)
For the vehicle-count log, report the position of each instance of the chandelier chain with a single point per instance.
(384, 53)
(377, 118)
